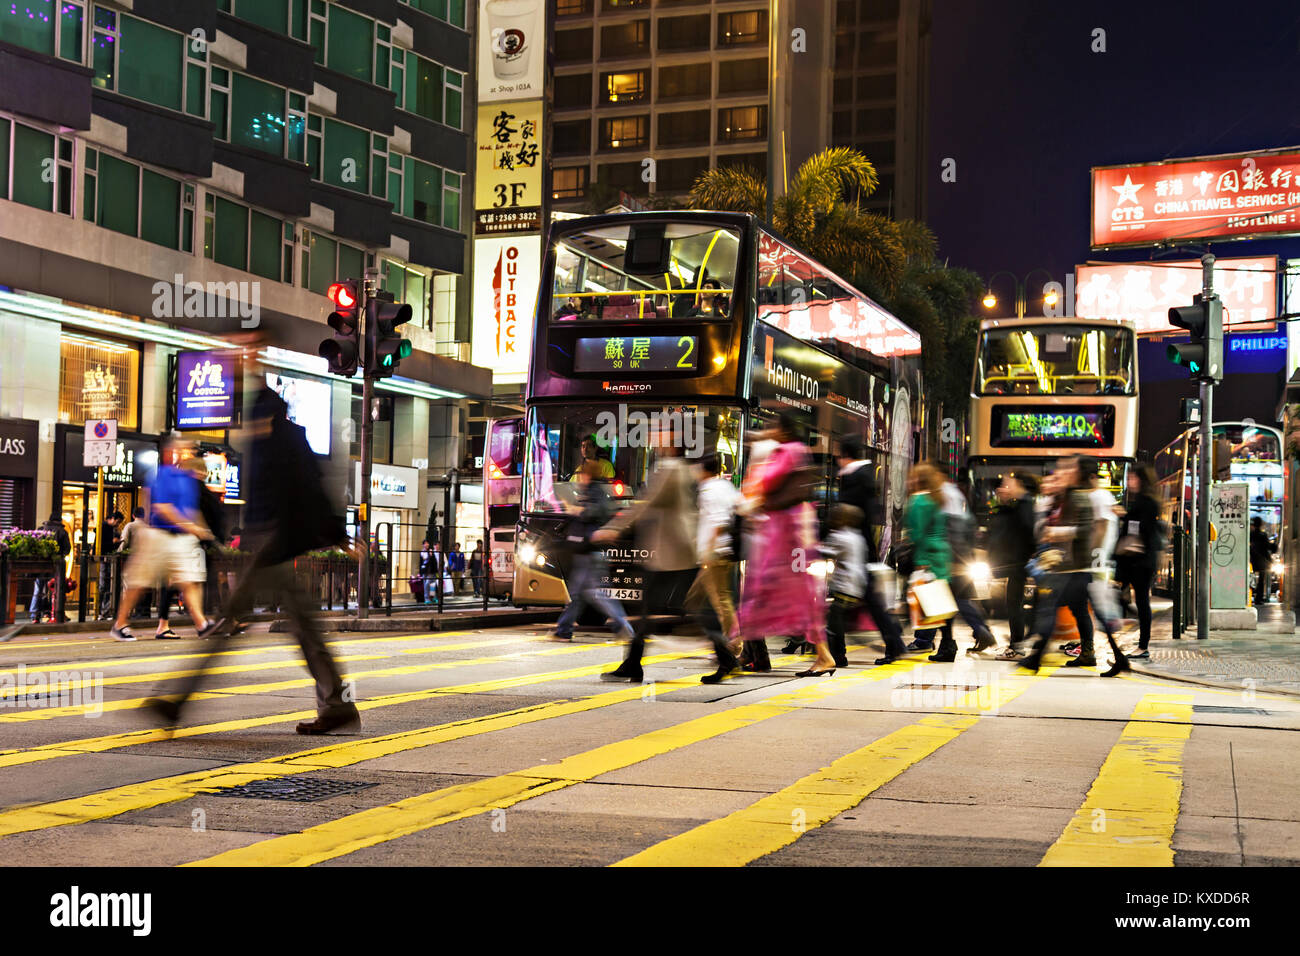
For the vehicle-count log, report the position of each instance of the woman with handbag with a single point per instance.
(1137, 549)
(781, 596)
(927, 530)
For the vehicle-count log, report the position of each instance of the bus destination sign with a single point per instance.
(648, 353)
(1036, 426)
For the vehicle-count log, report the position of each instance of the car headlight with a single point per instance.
(979, 571)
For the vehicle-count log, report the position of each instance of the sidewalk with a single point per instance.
(1265, 660)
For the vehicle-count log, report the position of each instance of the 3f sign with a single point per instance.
(516, 192)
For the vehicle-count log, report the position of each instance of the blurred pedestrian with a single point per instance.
(857, 488)
(110, 537)
(927, 533)
(781, 597)
(476, 567)
(456, 567)
(846, 547)
(430, 572)
(290, 515)
(169, 549)
(1139, 548)
(589, 512)
(1011, 545)
(1261, 557)
(716, 499)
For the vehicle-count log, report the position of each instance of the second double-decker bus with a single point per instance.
(706, 324)
(1043, 388)
(503, 479)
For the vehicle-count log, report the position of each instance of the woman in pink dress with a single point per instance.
(781, 595)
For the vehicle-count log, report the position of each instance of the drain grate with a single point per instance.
(297, 789)
(1219, 709)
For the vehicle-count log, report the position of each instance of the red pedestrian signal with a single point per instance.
(343, 351)
(343, 294)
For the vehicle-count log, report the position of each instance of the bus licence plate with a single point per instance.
(622, 594)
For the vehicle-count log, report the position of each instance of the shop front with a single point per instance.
(395, 520)
(18, 462)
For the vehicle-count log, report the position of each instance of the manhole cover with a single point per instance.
(298, 789)
(1218, 709)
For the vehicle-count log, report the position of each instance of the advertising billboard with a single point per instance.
(1233, 196)
(207, 390)
(309, 403)
(1144, 292)
(505, 294)
(508, 187)
(511, 49)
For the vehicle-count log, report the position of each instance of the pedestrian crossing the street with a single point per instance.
(461, 731)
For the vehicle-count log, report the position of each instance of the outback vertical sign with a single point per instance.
(505, 293)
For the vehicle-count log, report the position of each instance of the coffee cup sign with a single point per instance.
(510, 22)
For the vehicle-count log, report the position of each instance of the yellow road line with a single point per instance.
(153, 793)
(1129, 815)
(357, 831)
(781, 818)
(134, 703)
(75, 664)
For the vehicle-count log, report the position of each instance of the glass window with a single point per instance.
(644, 271)
(572, 138)
(679, 175)
(347, 156)
(71, 29)
(627, 39)
(351, 43)
(1055, 360)
(119, 195)
(573, 92)
(30, 24)
(5, 126)
(742, 76)
(264, 246)
(572, 8)
(451, 199)
(742, 122)
(621, 88)
(231, 245)
(685, 33)
(685, 81)
(351, 260)
(424, 188)
(569, 182)
(151, 61)
(573, 46)
(560, 439)
(160, 209)
(257, 114)
(272, 14)
(454, 83)
(423, 87)
(323, 254)
(625, 132)
(614, 6)
(98, 379)
(33, 167)
(687, 128)
(749, 26)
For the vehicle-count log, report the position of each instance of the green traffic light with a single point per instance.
(404, 349)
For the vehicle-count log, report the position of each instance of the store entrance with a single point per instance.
(80, 514)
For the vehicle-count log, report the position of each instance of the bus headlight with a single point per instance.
(1277, 568)
(980, 573)
(821, 569)
(527, 554)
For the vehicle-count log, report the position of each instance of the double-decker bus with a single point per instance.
(1043, 388)
(1254, 455)
(503, 479)
(708, 324)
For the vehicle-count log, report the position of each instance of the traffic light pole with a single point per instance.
(368, 288)
(1205, 462)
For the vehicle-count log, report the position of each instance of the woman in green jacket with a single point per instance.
(927, 529)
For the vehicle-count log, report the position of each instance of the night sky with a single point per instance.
(1025, 108)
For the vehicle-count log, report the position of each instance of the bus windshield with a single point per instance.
(616, 444)
(645, 270)
(1056, 360)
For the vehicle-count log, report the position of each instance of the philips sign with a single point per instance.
(1260, 343)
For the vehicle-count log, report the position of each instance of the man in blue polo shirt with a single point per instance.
(168, 550)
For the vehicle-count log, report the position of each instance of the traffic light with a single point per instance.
(343, 351)
(1203, 355)
(385, 347)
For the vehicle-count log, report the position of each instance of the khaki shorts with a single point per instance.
(162, 557)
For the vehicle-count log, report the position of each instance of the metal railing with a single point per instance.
(401, 560)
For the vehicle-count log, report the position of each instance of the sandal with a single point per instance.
(167, 635)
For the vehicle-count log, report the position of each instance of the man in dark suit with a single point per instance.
(858, 488)
(289, 514)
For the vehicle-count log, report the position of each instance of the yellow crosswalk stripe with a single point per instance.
(1129, 815)
(778, 820)
(74, 664)
(382, 824)
(153, 793)
(82, 710)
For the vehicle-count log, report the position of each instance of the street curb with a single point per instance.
(444, 623)
(1206, 682)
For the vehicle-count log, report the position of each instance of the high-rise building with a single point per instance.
(256, 151)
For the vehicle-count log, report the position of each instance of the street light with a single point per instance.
(990, 300)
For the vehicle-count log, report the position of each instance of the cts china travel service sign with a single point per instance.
(1232, 196)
